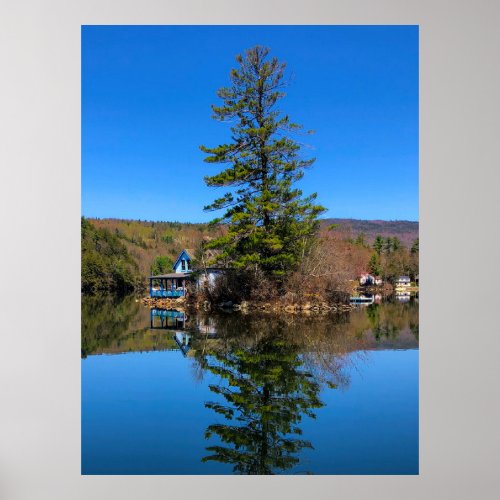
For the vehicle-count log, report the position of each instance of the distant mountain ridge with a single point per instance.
(404, 230)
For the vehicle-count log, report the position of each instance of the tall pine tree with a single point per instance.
(270, 224)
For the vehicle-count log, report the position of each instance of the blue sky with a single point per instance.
(146, 97)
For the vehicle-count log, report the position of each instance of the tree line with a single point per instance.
(391, 259)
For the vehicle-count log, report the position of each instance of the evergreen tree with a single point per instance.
(414, 258)
(391, 245)
(360, 240)
(270, 224)
(387, 245)
(396, 244)
(414, 247)
(374, 265)
(161, 265)
(378, 244)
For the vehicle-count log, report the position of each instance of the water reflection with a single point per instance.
(402, 295)
(105, 320)
(117, 325)
(124, 325)
(265, 372)
(390, 322)
(265, 394)
(183, 340)
(271, 370)
(165, 319)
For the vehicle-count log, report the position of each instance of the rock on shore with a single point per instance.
(164, 303)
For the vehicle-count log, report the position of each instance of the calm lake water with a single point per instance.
(165, 393)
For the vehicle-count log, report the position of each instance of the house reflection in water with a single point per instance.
(167, 319)
(206, 326)
(183, 340)
(365, 299)
(403, 296)
(183, 334)
(172, 319)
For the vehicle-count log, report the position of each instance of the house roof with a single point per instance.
(188, 251)
(404, 278)
(170, 275)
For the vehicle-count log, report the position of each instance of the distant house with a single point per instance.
(208, 276)
(403, 281)
(366, 279)
(369, 280)
(173, 285)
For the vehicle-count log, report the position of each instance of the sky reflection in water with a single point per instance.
(249, 394)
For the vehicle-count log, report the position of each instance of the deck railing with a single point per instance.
(166, 293)
(167, 313)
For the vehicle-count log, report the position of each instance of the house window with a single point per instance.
(183, 264)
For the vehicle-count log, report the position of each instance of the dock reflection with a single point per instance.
(167, 319)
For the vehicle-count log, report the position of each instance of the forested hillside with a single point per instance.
(118, 254)
(106, 262)
(405, 231)
(155, 245)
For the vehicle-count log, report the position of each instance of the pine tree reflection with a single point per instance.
(266, 392)
(271, 369)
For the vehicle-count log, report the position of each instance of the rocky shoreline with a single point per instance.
(164, 303)
(245, 306)
(384, 289)
(307, 307)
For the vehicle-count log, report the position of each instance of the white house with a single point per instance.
(208, 276)
(403, 281)
(369, 280)
(366, 279)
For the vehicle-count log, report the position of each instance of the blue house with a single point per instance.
(173, 285)
(183, 262)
